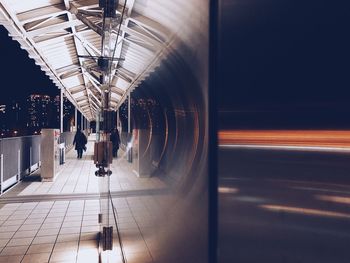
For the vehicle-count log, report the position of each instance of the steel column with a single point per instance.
(2, 173)
(61, 111)
(118, 119)
(81, 122)
(129, 112)
(76, 119)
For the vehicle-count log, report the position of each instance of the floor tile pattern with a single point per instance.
(66, 230)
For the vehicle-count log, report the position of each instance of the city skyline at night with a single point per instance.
(30, 115)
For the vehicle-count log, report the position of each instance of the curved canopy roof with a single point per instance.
(60, 35)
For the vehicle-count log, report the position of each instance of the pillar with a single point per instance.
(61, 110)
(76, 119)
(129, 112)
(81, 122)
(117, 118)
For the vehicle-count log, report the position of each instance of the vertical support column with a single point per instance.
(81, 122)
(118, 119)
(129, 146)
(2, 173)
(129, 112)
(98, 126)
(76, 119)
(109, 42)
(61, 111)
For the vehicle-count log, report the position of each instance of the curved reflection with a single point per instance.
(169, 141)
(290, 205)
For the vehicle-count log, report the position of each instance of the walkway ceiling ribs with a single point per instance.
(64, 38)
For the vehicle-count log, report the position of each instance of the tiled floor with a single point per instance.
(47, 231)
(65, 230)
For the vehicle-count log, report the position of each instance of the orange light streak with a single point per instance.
(305, 211)
(335, 199)
(309, 138)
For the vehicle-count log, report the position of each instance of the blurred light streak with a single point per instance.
(320, 190)
(335, 199)
(299, 139)
(249, 199)
(305, 211)
(228, 190)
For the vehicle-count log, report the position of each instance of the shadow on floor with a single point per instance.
(32, 178)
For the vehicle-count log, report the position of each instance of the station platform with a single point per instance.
(58, 221)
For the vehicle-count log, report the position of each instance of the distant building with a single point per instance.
(34, 113)
(68, 114)
(14, 115)
(68, 111)
(56, 108)
(2, 120)
(39, 109)
(146, 113)
(43, 111)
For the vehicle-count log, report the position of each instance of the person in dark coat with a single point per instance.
(79, 142)
(115, 139)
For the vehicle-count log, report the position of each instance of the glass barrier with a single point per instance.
(19, 156)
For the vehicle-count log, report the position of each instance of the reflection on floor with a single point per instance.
(283, 206)
(57, 221)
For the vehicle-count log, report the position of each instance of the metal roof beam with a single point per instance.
(70, 74)
(78, 49)
(46, 40)
(52, 28)
(81, 17)
(76, 89)
(87, 45)
(67, 69)
(42, 13)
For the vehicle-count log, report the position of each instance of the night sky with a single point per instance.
(19, 74)
(285, 63)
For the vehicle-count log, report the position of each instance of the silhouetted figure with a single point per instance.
(115, 139)
(80, 142)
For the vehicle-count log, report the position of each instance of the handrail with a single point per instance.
(16, 137)
(21, 156)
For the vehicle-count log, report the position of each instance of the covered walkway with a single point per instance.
(141, 66)
(57, 221)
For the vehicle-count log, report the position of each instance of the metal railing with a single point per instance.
(67, 138)
(20, 156)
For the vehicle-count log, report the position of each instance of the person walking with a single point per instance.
(115, 139)
(79, 142)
